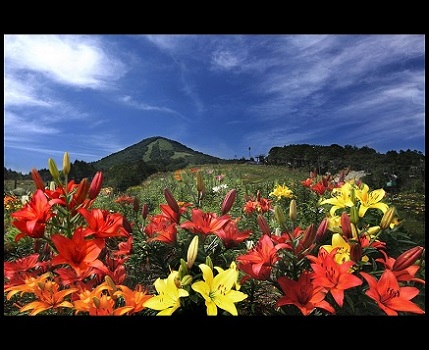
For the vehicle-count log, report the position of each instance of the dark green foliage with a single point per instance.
(159, 150)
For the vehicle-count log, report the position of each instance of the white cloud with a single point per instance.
(225, 59)
(72, 60)
(19, 128)
(23, 93)
(129, 101)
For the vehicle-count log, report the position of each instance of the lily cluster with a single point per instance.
(186, 260)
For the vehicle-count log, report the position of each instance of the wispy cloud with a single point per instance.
(78, 61)
(129, 101)
(225, 59)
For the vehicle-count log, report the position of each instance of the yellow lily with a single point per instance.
(281, 191)
(341, 198)
(343, 253)
(168, 298)
(217, 291)
(370, 199)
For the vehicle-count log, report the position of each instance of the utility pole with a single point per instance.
(249, 153)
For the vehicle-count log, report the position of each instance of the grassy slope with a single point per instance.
(247, 179)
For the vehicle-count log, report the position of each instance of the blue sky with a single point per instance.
(93, 95)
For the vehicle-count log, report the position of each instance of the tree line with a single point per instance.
(407, 168)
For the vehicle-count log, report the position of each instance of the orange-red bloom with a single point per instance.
(31, 220)
(205, 223)
(16, 272)
(78, 252)
(230, 234)
(259, 262)
(46, 291)
(303, 294)
(405, 275)
(389, 296)
(133, 298)
(103, 224)
(334, 277)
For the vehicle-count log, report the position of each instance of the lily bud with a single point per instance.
(209, 262)
(37, 179)
(387, 218)
(96, 302)
(192, 252)
(82, 190)
(354, 231)
(66, 163)
(228, 201)
(53, 170)
(200, 182)
(145, 211)
(95, 187)
(373, 230)
(263, 225)
(136, 204)
(171, 201)
(186, 280)
(407, 258)
(308, 236)
(183, 269)
(321, 230)
(258, 195)
(355, 252)
(352, 195)
(292, 210)
(346, 225)
(354, 215)
(111, 284)
(280, 216)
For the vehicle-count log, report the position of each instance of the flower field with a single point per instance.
(212, 240)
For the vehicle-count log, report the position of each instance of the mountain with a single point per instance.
(160, 151)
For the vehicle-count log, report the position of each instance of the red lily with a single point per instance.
(103, 224)
(31, 220)
(307, 182)
(303, 294)
(78, 252)
(230, 234)
(405, 275)
(389, 296)
(205, 223)
(259, 205)
(258, 263)
(319, 188)
(161, 228)
(87, 278)
(16, 272)
(336, 278)
(124, 248)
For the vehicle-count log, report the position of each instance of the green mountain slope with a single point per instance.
(158, 150)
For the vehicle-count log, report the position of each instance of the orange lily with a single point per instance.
(335, 277)
(103, 224)
(77, 251)
(47, 292)
(205, 223)
(230, 234)
(259, 262)
(31, 220)
(303, 294)
(133, 298)
(160, 228)
(389, 296)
